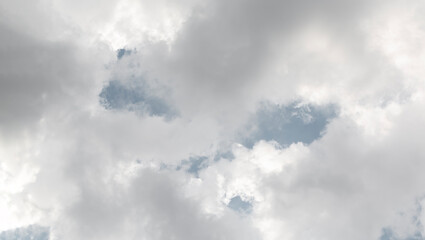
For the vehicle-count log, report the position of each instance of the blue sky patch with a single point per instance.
(224, 155)
(287, 124)
(194, 164)
(388, 234)
(136, 98)
(239, 205)
(123, 52)
(32, 232)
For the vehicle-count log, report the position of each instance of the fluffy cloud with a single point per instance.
(212, 119)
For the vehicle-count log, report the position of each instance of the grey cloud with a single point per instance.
(221, 50)
(376, 180)
(36, 77)
(152, 207)
(219, 64)
(27, 73)
(348, 184)
(344, 183)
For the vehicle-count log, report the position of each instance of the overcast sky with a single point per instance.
(212, 119)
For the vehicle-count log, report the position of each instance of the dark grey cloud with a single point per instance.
(37, 76)
(29, 72)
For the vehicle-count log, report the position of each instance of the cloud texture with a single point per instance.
(243, 119)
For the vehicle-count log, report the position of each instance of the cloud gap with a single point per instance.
(287, 124)
(135, 98)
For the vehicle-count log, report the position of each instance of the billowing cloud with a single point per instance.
(247, 119)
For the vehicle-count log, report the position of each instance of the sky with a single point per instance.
(212, 119)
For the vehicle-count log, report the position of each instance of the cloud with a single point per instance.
(343, 182)
(226, 120)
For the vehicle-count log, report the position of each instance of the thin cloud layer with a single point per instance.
(212, 119)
